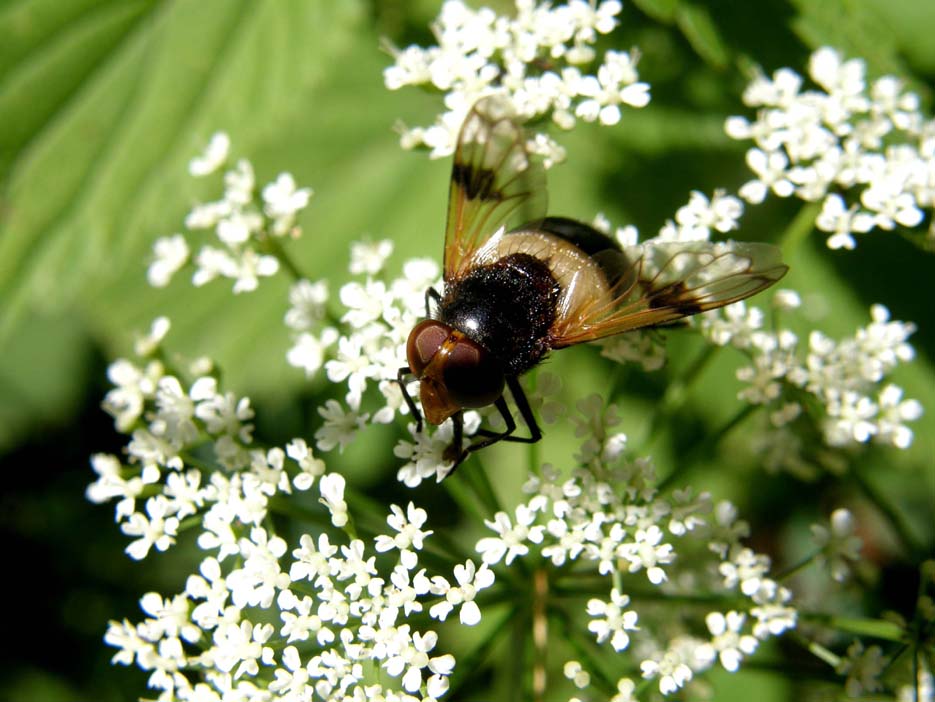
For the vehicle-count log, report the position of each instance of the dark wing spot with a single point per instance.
(676, 296)
(478, 183)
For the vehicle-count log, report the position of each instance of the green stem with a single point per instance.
(534, 461)
(816, 650)
(793, 569)
(572, 636)
(707, 444)
(271, 243)
(574, 588)
(483, 488)
(190, 522)
(469, 663)
(677, 392)
(876, 628)
(460, 487)
(289, 508)
(801, 226)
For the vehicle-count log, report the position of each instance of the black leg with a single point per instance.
(525, 411)
(455, 451)
(522, 404)
(431, 294)
(493, 437)
(400, 374)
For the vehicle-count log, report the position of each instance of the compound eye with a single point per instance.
(424, 341)
(472, 377)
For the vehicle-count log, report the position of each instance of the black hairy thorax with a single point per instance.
(507, 307)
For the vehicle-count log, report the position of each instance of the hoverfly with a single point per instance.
(513, 295)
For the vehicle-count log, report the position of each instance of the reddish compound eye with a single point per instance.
(472, 377)
(424, 341)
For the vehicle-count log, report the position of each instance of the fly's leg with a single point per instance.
(456, 453)
(431, 294)
(525, 411)
(410, 403)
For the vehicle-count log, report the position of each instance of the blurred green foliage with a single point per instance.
(102, 103)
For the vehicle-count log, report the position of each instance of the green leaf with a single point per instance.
(877, 628)
(129, 93)
(702, 33)
(856, 28)
(910, 23)
(661, 10)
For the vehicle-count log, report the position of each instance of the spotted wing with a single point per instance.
(659, 283)
(495, 182)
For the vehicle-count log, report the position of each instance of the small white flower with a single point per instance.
(512, 539)
(239, 182)
(331, 486)
(727, 641)
(211, 263)
(470, 580)
(863, 668)
(577, 674)
(240, 647)
(772, 613)
(214, 156)
(365, 303)
(646, 552)
(310, 466)
(770, 169)
(134, 386)
(369, 257)
(614, 622)
(787, 300)
(838, 543)
(250, 268)
(746, 569)
(340, 427)
(673, 672)
(313, 563)
(893, 412)
(308, 352)
(721, 213)
(282, 200)
(409, 534)
(841, 222)
(626, 689)
(147, 344)
(170, 253)
(306, 304)
(156, 529)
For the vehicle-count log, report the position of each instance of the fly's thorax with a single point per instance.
(507, 306)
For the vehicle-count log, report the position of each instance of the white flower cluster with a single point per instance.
(242, 223)
(847, 378)
(366, 350)
(863, 668)
(263, 620)
(840, 546)
(536, 58)
(608, 517)
(866, 151)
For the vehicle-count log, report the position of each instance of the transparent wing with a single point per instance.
(666, 281)
(494, 182)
